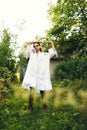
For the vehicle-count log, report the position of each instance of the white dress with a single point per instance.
(38, 70)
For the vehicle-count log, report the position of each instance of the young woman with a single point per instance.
(37, 74)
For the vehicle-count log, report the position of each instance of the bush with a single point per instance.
(71, 69)
(5, 78)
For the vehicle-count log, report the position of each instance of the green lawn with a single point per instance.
(65, 110)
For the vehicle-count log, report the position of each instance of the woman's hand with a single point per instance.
(52, 44)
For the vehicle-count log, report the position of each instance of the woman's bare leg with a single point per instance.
(31, 98)
(43, 99)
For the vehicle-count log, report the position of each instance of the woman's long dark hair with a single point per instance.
(39, 45)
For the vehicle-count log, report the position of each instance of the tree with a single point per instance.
(7, 50)
(69, 27)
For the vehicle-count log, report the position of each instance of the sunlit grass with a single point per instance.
(83, 95)
(64, 96)
(59, 96)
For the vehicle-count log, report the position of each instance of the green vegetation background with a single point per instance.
(67, 102)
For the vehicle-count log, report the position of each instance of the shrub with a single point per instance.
(5, 78)
(71, 69)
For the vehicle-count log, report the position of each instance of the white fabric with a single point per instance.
(38, 70)
(27, 50)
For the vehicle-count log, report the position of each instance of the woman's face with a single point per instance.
(37, 47)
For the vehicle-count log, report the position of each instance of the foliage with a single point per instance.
(5, 78)
(23, 61)
(23, 65)
(13, 114)
(8, 65)
(71, 69)
(69, 31)
(7, 50)
(63, 118)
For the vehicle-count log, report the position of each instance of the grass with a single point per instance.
(62, 110)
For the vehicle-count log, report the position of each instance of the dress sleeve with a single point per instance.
(27, 51)
(52, 52)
